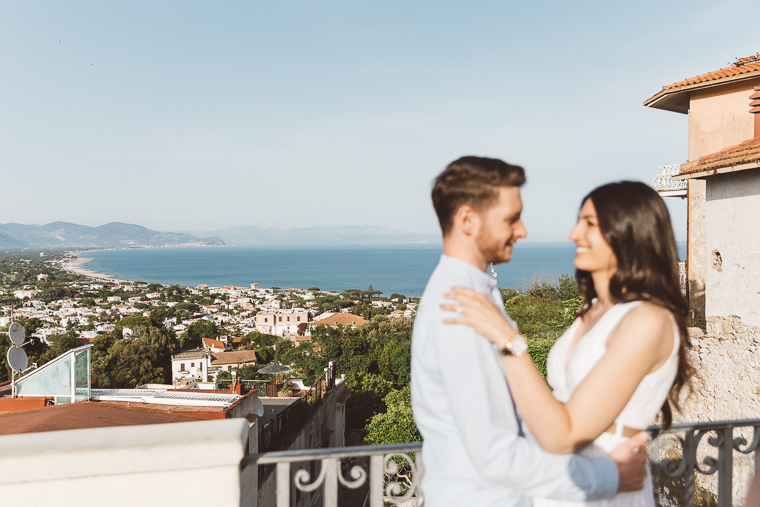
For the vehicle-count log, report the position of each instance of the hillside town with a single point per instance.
(282, 385)
(55, 294)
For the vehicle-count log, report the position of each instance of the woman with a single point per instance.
(624, 358)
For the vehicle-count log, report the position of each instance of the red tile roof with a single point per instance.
(746, 153)
(343, 319)
(237, 357)
(742, 66)
(675, 97)
(211, 343)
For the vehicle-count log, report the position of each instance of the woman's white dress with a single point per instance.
(565, 374)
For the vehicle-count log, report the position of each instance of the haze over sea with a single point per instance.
(399, 268)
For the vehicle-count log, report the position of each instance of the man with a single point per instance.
(476, 451)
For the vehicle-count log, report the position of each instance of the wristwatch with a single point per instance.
(517, 346)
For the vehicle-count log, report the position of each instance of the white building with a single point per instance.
(281, 322)
(214, 345)
(190, 365)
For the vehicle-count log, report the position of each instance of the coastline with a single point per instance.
(78, 266)
(402, 269)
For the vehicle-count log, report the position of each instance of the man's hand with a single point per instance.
(631, 460)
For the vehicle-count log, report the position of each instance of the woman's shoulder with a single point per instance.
(647, 321)
(648, 311)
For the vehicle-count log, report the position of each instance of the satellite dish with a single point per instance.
(259, 408)
(16, 332)
(17, 359)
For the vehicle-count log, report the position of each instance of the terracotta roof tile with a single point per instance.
(344, 319)
(747, 152)
(240, 356)
(217, 344)
(675, 97)
(190, 354)
(748, 65)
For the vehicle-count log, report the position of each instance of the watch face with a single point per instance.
(519, 346)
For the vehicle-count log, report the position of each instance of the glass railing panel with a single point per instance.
(53, 380)
(82, 375)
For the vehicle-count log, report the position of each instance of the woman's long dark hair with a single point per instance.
(635, 222)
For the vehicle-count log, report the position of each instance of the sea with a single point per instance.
(402, 269)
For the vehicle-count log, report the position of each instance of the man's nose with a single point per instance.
(520, 231)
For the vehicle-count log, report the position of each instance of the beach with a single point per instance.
(78, 266)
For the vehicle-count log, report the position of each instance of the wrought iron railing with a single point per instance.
(670, 462)
(394, 472)
(663, 182)
(258, 385)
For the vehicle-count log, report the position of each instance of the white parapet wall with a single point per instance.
(189, 463)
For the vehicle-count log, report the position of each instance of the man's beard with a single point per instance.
(492, 250)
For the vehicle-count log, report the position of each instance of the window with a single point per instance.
(182, 367)
(192, 365)
(265, 319)
(280, 319)
(298, 319)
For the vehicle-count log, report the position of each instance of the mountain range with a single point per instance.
(113, 235)
(121, 235)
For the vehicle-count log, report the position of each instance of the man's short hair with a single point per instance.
(472, 181)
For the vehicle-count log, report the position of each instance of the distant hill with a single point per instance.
(339, 235)
(113, 235)
(120, 235)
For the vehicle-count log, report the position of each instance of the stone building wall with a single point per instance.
(727, 387)
(695, 256)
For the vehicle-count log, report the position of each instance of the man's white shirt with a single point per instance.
(476, 451)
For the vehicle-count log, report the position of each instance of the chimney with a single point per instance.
(754, 104)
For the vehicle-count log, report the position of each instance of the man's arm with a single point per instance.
(489, 428)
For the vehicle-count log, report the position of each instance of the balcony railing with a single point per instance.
(664, 183)
(396, 470)
(676, 453)
(254, 385)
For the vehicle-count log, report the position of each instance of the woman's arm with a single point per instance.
(640, 344)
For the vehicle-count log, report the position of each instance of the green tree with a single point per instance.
(395, 361)
(59, 343)
(193, 337)
(133, 321)
(397, 424)
(568, 288)
(367, 399)
(144, 359)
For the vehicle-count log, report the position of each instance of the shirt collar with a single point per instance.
(461, 265)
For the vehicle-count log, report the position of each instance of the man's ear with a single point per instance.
(467, 220)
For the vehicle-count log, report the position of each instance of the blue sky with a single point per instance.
(209, 115)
